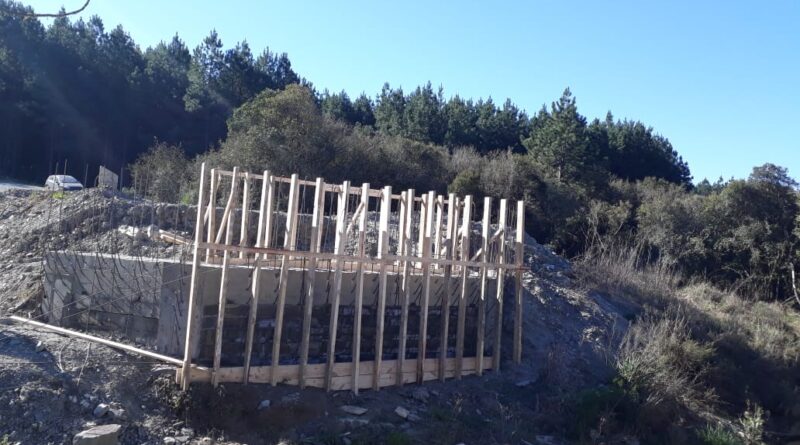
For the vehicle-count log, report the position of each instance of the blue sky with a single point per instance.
(720, 79)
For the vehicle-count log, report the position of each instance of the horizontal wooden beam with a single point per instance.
(389, 259)
(342, 378)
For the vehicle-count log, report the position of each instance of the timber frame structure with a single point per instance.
(402, 236)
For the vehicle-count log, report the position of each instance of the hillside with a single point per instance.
(608, 351)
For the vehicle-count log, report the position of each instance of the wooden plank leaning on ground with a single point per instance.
(383, 247)
(462, 300)
(519, 246)
(289, 244)
(359, 300)
(501, 252)
(191, 325)
(223, 286)
(487, 214)
(308, 304)
(339, 244)
(255, 285)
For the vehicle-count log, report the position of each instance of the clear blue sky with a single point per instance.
(720, 79)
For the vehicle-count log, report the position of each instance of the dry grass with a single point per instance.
(697, 352)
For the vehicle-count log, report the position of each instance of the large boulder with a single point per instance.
(99, 435)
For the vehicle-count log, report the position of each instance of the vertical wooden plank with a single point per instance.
(450, 243)
(223, 286)
(269, 218)
(407, 265)
(255, 285)
(383, 250)
(421, 235)
(245, 213)
(501, 252)
(462, 301)
(487, 214)
(308, 304)
(212, 210)
(520, 259)
(437, 240)
(430, 204)
(359, 300)
(289, 244)
(339, 243)
(193, 299)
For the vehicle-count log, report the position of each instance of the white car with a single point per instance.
(62, 183)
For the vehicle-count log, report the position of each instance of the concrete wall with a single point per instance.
(145, 301)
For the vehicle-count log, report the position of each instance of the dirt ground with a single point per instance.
(52, 384)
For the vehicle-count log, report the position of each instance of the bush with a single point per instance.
(661, 366)
(162, 173)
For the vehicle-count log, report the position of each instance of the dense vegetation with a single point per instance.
(74, 92)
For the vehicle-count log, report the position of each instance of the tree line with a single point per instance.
(74, 91)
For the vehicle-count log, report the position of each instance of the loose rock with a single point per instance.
(100, 410)
(99, 435)
(402, 412)
(354, 410)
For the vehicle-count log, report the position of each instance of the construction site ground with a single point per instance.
(55, 386)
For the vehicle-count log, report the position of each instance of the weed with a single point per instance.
(752, 424)
(398, 438)
(718, 435)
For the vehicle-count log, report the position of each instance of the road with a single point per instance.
(9, 185)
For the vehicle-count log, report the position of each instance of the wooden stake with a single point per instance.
(269, 218)
(437, 240)
(289, 244)
(487, 213)
(191, 326)
(308, 305)
(406, 245)
(212, 210)
(245, 213)
(430, 203)
(256, 283)
(383, 249)
(339, 244)
(501, 252)
(462, 301)
(359, 300)
(520, 259)
(450, 244)
(223, 287)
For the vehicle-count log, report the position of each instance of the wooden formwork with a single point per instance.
(426, 235)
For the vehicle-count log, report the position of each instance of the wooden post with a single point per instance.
(501, 252)
(193, 299)
(406, 245)
(487, 214)
(430, 204)
(256, 283)
(437, 240)
(223, 287)
(269, 218)
(359, 300)
(212, 211)
(245, 213)
(339, 244)
(383, 250)
(462, 301)
(289, 244)
(308, 304)
(520, 260)
(450, 243)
